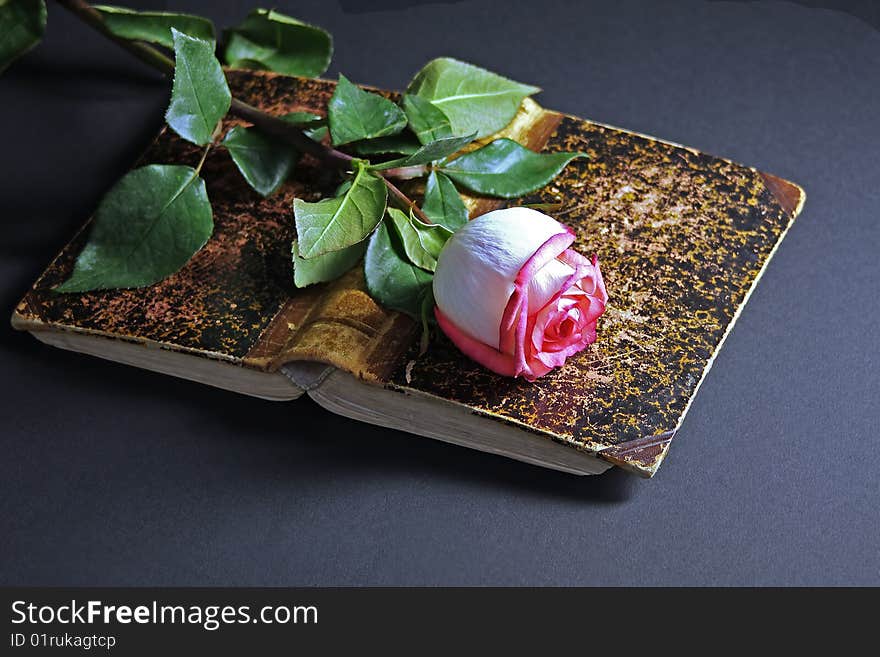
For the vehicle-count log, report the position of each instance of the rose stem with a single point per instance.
(269, 124)
(405, 201)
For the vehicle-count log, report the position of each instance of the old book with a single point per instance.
(683, 238)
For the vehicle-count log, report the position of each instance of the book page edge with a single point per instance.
(196, 366)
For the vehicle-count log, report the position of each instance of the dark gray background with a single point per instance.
(113, 476)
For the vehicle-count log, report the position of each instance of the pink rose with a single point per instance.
(513, 297)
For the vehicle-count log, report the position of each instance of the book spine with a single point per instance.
(339, 324)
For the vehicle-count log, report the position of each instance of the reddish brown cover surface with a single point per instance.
(681, 236)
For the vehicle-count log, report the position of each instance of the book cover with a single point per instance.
(682, 237)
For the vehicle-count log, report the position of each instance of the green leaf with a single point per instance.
(355, 114)
(474, 99)
(432, 237)
(200, 96)
(443, 203)
(279, 43)
(436, 150)
(303, 119)
(427, 121)
(421, 242)
(22, 24)
(391, 280)
(264, 162)
(146, 228)
(314, 125)
(251, 64)
(326, 267)
(154, 26)
(505, 168)
(317, 134)
(335, 223)
(404, 144)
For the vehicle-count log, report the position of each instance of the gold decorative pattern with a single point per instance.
(681, 238)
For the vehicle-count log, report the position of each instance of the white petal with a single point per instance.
(546, 283)
(477, 267)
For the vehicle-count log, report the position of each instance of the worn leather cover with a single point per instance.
(682, 238)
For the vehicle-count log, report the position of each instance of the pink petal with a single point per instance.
(516, 312)
(485, 355)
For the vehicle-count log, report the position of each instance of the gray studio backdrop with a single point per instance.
(112, 476)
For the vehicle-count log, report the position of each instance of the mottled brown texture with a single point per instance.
(681, 238)
(221, 302)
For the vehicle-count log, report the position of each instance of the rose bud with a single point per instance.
(513, 297)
